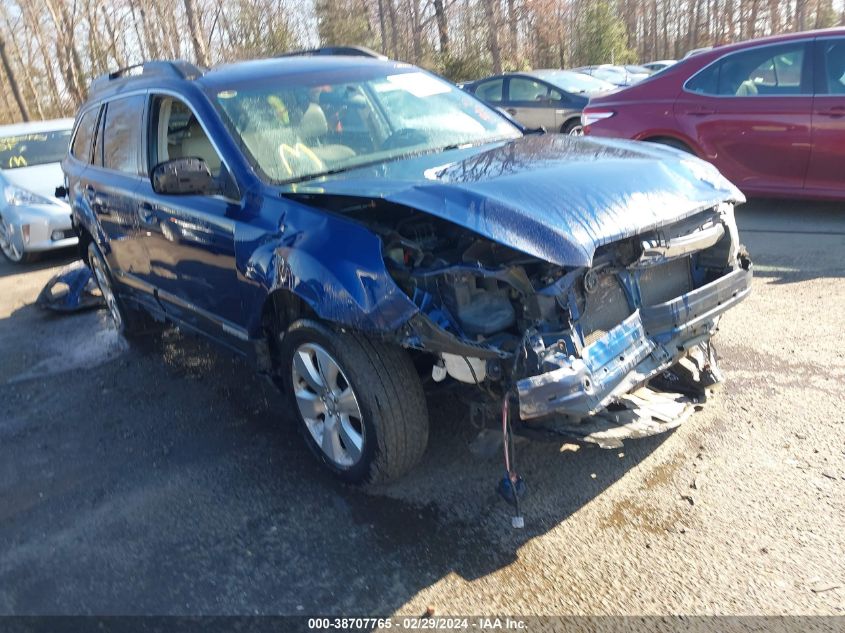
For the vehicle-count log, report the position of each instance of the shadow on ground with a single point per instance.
(172, 480)
(770, 228)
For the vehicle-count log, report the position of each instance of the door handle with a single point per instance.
(701, 112)
(146, 213)
(94, 200)
(511, 111)
(836, 112)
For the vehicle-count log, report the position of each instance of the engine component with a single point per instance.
(465, 368)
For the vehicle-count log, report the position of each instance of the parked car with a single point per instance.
(355, 225)
(659, 65)
(619, 76)
(551, 99)
(32, 219)
(768, 113)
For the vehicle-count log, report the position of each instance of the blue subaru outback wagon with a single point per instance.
(359, 228)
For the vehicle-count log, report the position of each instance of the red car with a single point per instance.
(769, 113)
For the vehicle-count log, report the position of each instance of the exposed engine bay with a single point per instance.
(565, 341)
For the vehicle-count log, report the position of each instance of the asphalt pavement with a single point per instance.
(165, 477)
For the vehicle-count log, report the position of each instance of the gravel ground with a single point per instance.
(166, 478)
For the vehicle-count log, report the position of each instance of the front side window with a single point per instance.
(33, 148)
(303, 126)
(768, 71)
(121, 134)
(81, 148)
(833, 55)
(175, 132)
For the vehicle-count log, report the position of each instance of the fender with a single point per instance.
(332, 264)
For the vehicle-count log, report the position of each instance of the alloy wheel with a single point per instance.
(328, 405)
(577, 130)
(7, 242)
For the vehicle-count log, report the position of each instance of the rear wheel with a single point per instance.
(359, 402)
(127, 321)
(573, 127)
(672, 142)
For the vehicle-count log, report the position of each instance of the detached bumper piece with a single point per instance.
(72, 289)
(644, 345)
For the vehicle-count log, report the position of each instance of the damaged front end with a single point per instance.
(569, 343)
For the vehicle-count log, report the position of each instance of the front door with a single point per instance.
(190, 238)
(533, 103)
(827, 163)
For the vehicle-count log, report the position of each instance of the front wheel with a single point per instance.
(359, 402)
(10, 245)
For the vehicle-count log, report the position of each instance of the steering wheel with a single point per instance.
(404, 137)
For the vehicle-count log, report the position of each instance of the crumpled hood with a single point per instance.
(554, 197)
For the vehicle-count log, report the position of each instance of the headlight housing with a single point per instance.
(16, 196)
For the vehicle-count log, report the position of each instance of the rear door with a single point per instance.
(751, 115)
(827, 162)
(533, 103)
(112, 182)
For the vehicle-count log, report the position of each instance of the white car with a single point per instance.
(32, 218)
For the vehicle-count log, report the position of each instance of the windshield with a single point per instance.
(301, 127)
(575, 83)
(36, 148)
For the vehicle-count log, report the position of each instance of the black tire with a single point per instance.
(674, 143)
(387, 390)
(129, 322)
(571, 126)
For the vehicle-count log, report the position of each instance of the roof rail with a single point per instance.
(352, 51)
(179, 69)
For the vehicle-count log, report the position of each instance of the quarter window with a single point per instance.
(121, 134)
(81, 148)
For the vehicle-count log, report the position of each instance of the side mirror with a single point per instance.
(183, 176)
(61, 192)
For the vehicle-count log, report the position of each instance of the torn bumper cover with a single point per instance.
(646, 343)
(72, 289)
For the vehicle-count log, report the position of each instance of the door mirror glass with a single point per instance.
(183, 176)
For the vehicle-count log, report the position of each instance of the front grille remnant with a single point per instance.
(664, 282)
(606, 307)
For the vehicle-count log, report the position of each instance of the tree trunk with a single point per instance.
(13, 80)
(442, 25)
(493, 35)
(197, 38)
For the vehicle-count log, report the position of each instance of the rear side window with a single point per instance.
(527, 90)
(81, 148)
(122, 134)
(760, 72)
(833, 60)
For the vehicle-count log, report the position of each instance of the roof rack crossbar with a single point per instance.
(179, 69)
